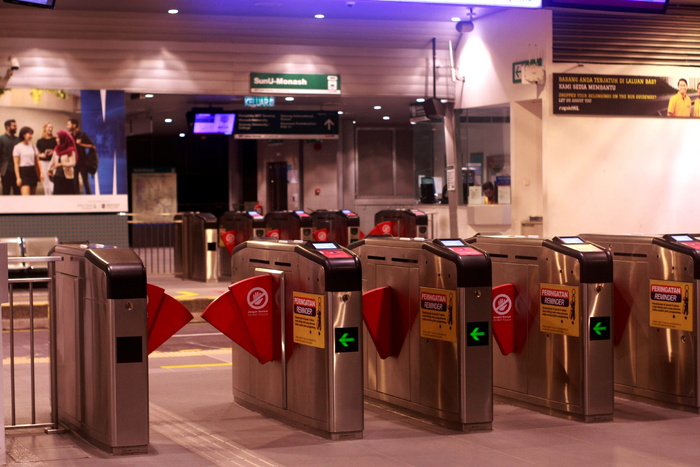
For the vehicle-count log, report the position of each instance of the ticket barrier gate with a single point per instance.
(341, 227)
(100, 348)
(401, 223)
(552, 312)
(294, 313)
(289, 225)
(656, 317)
(235, 227)
(427, 313)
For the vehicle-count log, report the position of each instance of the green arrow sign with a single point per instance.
(345, 339)
(475, 334)
(599, 328)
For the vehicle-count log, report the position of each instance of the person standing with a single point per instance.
(45, 146)
(82, 143)
(62, 166)
(8, 141)
(26, 158)
(680, 104)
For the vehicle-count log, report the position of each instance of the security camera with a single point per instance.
(465, 26)
(14, 64)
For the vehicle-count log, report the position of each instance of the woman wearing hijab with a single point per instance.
(62, 166)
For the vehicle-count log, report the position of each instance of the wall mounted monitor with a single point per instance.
(214, 123)
(36, 3)
(632, 6)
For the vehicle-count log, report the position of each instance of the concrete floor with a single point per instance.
(194, 422)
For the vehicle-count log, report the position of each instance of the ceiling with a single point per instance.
(361, 109)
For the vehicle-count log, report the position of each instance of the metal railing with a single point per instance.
(152, 237)
(32, 358)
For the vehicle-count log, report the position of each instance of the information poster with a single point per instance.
(437, 314)
(621, 95)
(560, 309)
(309, 310)
(671, 305)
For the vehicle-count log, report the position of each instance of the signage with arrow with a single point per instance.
(600, 328)
(478, 333)
(346, 340)
(275, 124)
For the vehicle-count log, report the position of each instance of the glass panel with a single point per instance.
(483, 140)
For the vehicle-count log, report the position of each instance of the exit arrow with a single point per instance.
(475, 334)
(329, 124)
(345, 339)
(599, 328)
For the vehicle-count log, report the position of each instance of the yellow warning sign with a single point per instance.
(671, 305)
(560, 309)
(437, 314)
(309, 312)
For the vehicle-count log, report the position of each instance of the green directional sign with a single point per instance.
(347, 340)
(478, 333)
(600, 328)
(288, 83)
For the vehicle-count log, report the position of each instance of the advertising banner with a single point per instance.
(93, 173)
(621, 95)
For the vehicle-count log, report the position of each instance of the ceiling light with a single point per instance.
(386, 117)
(444, 101)
(420, 99)
(182, 135)
(340, 112)
(319, 16)
(173, 11)
(148, 96)
(168, 120)
(456, 19)
(377, 107)
(289, 99)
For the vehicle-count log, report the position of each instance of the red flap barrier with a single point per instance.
(244, 314)
(622, 309)
(229, 239)
(383, 228)
(273, 233)
(376, 313)
(321, 235)
(166, 316)
(505, 329)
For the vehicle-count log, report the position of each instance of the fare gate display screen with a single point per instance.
(458, 246)
(330, 250)
(687, 240)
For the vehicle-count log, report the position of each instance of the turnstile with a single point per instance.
(235, 227)
(296, 309)
(427, 311)
(656, 317)
(199, 245)
(405, 222)
(341, 227)
(100, 348)
(289, 225)
(552, 312)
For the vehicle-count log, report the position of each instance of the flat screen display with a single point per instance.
(571, 240)
(325, 246)
(37, 3)
(214, 123)
(682, 238)
(452, 242)
(301, 213)
(637, 6)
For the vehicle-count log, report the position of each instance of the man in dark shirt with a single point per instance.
(82, 142)
(7, 165)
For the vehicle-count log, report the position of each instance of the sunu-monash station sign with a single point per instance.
(286, 83)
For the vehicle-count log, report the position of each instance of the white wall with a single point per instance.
(619, 174)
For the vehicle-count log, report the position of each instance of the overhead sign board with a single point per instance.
(286, 83)
(273, 124)
(254, 102)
